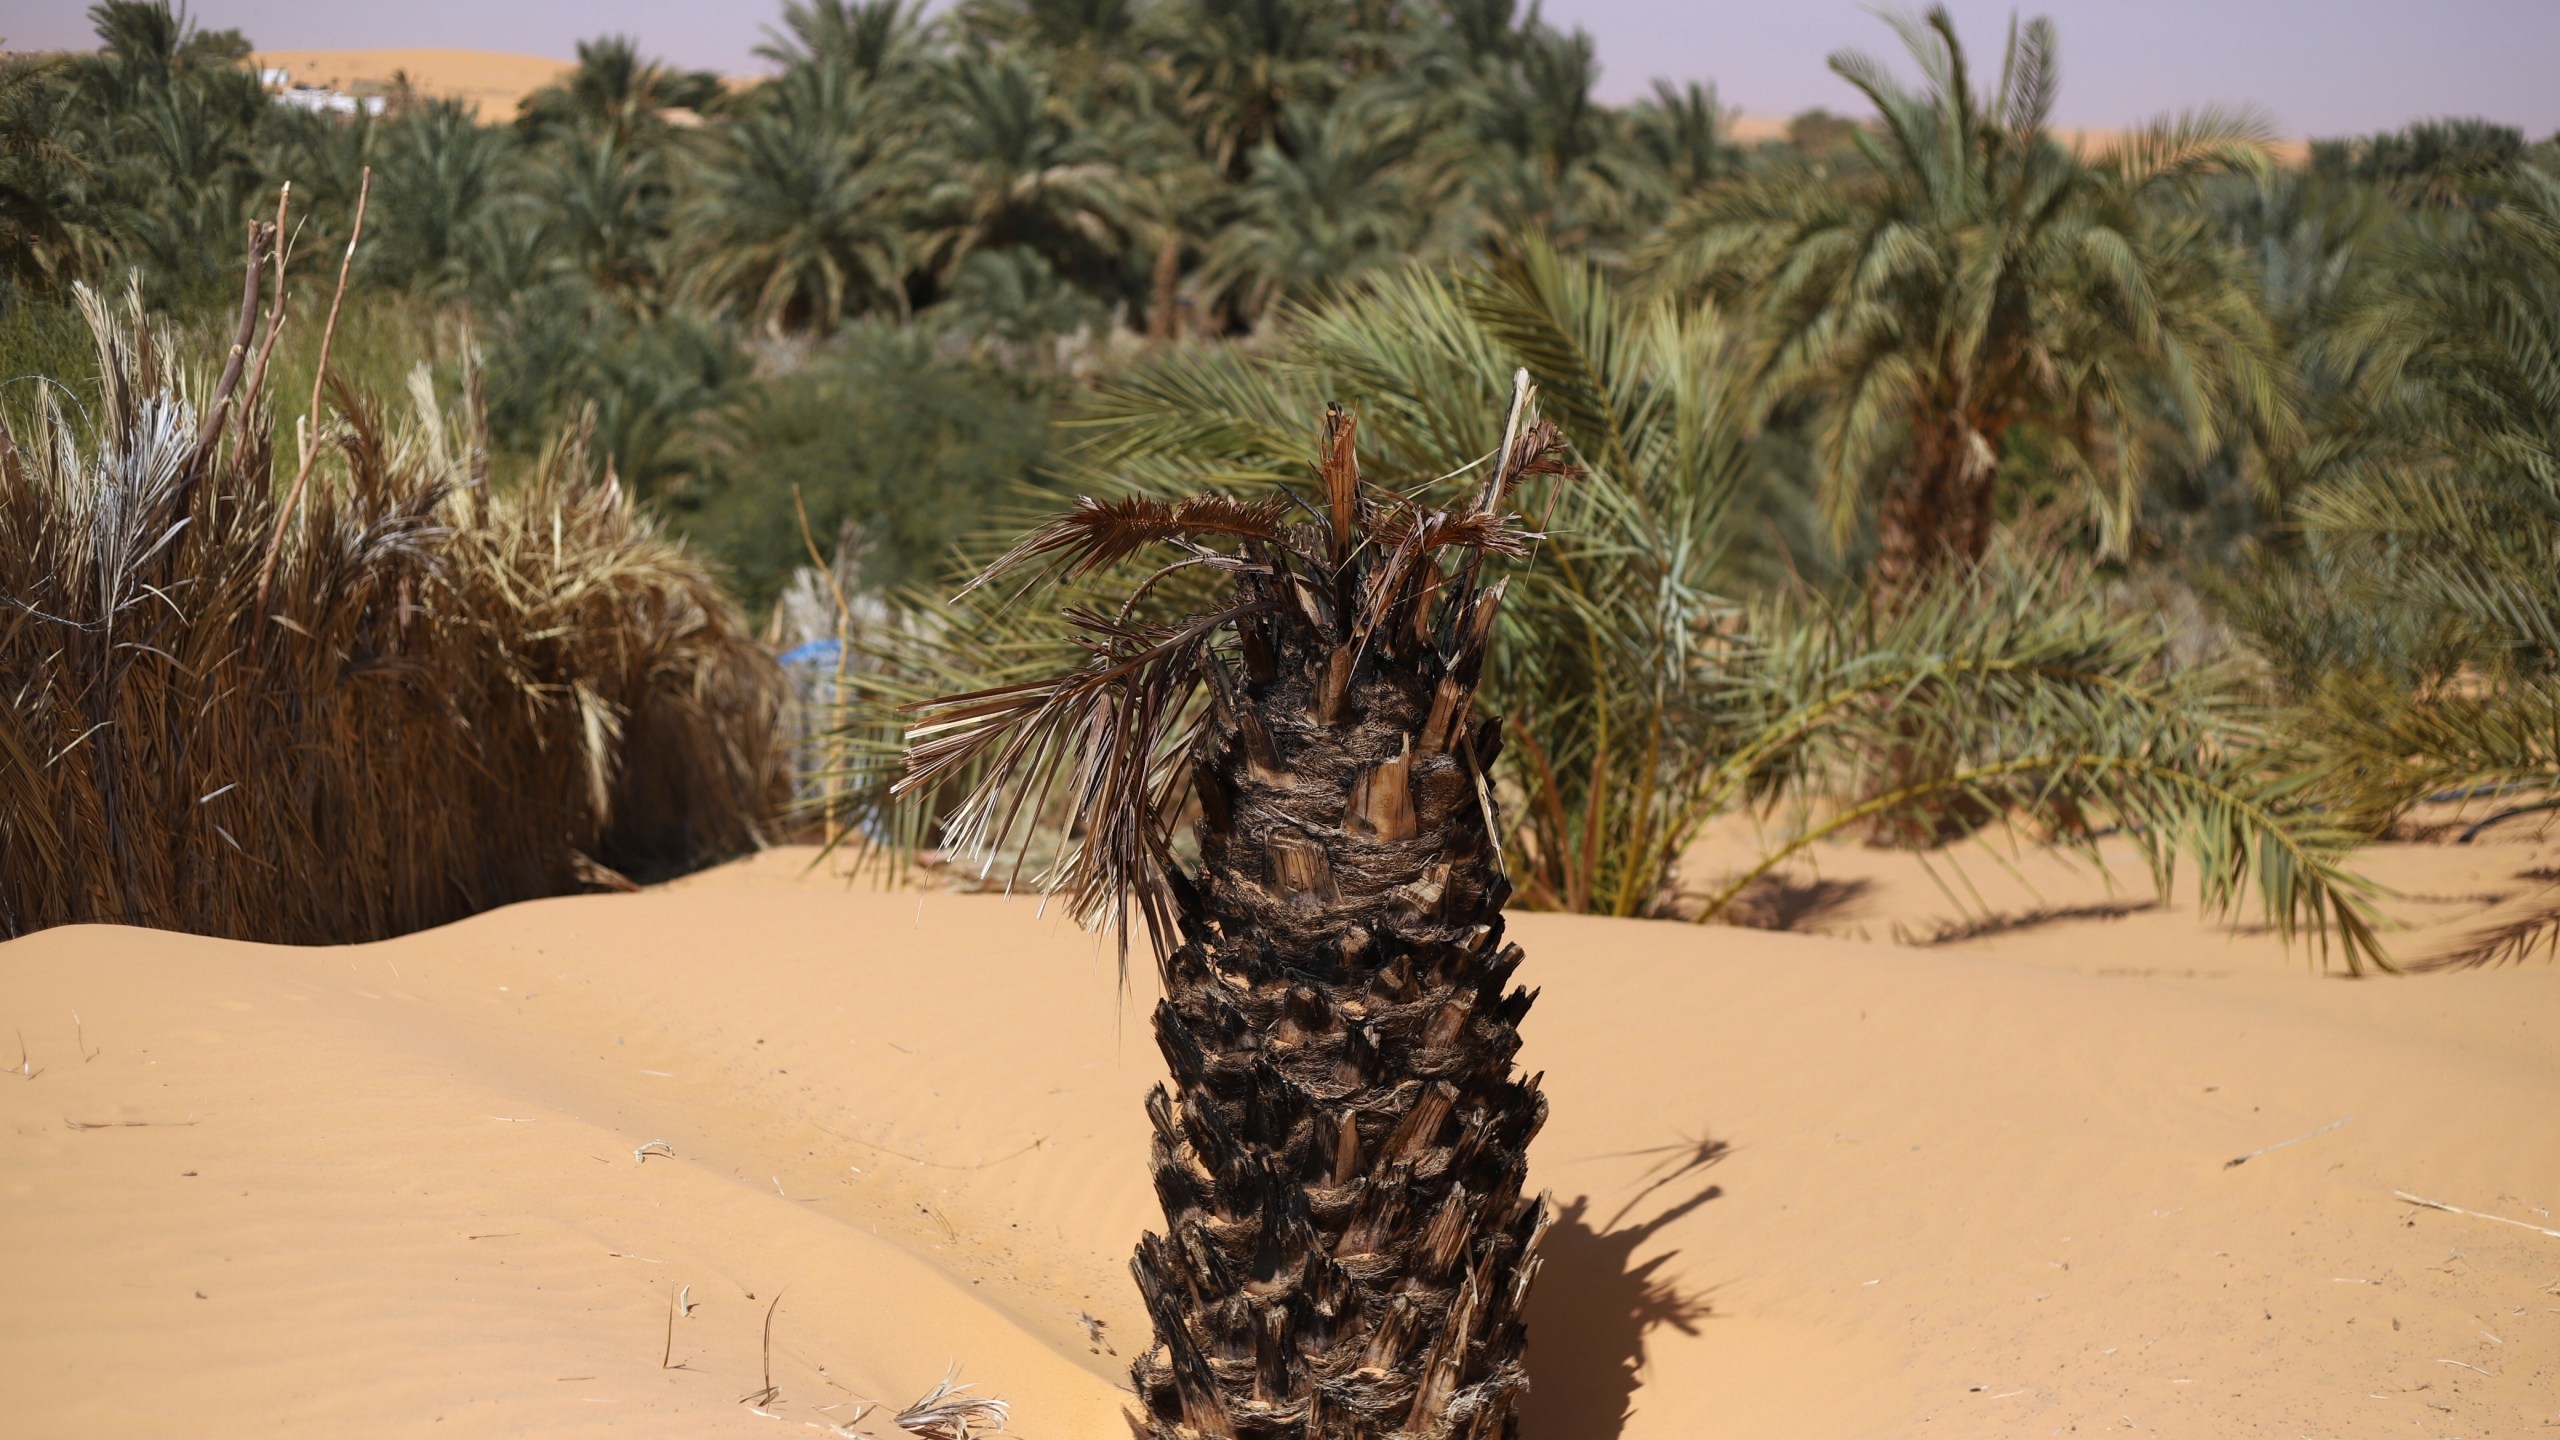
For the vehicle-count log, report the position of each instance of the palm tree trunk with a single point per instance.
(1341, 1152)
(1937, 512)
(1164, 320)
(1935, 524)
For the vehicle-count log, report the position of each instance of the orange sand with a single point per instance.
(491, 79)
(1812, 1186)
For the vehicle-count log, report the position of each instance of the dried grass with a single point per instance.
(949, 1412)
(457, 695)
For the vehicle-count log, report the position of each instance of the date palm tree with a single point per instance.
(805, 211)
(617, 91)
(1234, 67)
(41, 237)
(1343, 204)
(2436, 526)
(438, 174)
(872, 40)
(1019, 166)
(1340, 1153)
(1981, 284)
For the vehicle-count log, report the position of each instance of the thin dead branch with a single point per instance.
(319, 377)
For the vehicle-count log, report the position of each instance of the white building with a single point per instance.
(321, 100)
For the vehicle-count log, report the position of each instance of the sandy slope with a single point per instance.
(1812, 1186)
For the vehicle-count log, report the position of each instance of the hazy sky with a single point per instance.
(2318, 67)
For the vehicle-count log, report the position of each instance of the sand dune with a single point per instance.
(1812, 1186)
(494, 80)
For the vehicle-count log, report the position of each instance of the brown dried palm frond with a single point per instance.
(1116, 728)
(1098, 533)
(418, 697)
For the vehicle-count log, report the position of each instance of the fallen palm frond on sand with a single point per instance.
(406, 697)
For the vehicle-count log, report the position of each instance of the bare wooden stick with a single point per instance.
(676, 1306)
(2474, 1214)
(319, 377)
(768, 1394)
(210, 433)
(2239, 1160)
(1492, 494)
(275, 308)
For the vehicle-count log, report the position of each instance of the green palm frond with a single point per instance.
(1981, 284)
(2035, 702)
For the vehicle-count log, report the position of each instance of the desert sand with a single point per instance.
(1812, 1185)
(493, 80)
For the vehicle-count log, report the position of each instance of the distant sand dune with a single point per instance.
(494, 80)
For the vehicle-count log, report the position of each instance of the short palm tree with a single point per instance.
(1981, 282)
(1340, 1155)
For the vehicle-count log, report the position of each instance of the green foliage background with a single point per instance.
(936, 271)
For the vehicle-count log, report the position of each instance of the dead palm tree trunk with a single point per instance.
(1341, 1148)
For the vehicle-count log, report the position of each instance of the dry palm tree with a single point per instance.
(1340, 1155)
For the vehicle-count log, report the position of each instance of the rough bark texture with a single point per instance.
(1937, 512)
(1341, 1150)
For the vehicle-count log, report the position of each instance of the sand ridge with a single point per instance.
(1810, 1186)
(495, 81)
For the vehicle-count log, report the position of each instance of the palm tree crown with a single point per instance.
(1983, 281)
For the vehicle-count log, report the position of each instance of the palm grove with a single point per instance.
(1476, 491)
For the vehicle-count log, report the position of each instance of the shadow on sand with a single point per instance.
(1595, 1304)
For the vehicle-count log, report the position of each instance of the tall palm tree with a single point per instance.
(1532, 140)
(1679, 130)
(438, 172)
(1343, 204)
(806, 205)
(871, 40)
(619, 92)
(1236, 65)
(1060, 25)
(608, 203)
(1983, 284)
(42, 237)
(1342, 1148)
(1021, 167)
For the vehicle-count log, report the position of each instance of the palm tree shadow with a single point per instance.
(1595, 1304)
